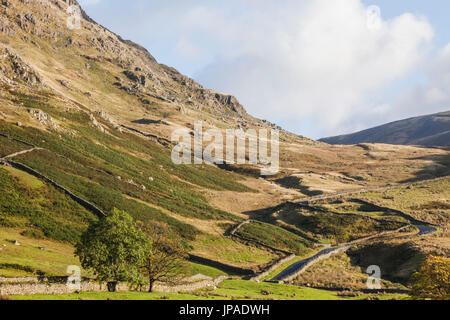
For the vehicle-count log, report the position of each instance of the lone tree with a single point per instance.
(166, 261)
(432, 281)
(114, 248)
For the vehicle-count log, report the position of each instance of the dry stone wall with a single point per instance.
(30, 286)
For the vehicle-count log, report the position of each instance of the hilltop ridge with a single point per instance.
(37, 33)
(430, 130)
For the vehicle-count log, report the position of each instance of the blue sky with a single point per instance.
(315, 67)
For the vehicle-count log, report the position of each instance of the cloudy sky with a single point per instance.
(315, 67)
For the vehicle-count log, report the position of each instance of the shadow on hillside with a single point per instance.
(265, 214)
(398, 261)
(146, 121)
(440, 167)
(292, 182)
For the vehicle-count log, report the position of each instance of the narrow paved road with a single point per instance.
(19, 153)
(296, 268)
(303, 264)
(423, 230)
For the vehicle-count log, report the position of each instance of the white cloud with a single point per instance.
(434, 96)
(314, 60)
(313, 66)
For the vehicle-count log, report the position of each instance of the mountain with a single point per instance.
(431, 130)
(104, 72)
(86, 120)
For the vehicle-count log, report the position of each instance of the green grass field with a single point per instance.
(40, 210)
(25, 178)
(355, 207)
(275, 237)
(428, 202)
(195, 268)
(327, 227)
(29, 260)
(230, 252)
(227, 290)
(137, 161)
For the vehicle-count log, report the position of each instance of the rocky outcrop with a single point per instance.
(44, 119)
(14, 69)
(136, 72)
(6, 28)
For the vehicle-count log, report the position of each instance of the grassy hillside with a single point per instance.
(430, 130)
(107, 169)
(326, 226)
(33, 256)
(41, 210)
(275, 237)
(340, 273)
(428, 202)
(354, 206)
(74, 93)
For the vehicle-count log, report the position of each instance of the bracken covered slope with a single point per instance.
(94, 114)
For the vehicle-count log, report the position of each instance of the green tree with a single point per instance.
(114, 248)
(432, 281)
(165, 262)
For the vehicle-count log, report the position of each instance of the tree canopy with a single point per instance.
(114, 248)
(432, 281)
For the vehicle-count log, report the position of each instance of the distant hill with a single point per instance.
(430, 130)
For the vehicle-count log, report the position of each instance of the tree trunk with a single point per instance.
(112, 286)
(150, 288)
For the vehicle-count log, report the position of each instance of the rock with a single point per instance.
(16, 243)
(182, 110)
(131, 75)
(19, 124)
(42, 248)
(150, 178)
(96, 124)
(64, 83)
(44, 119)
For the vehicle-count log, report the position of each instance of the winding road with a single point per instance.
(295, 269)
(291, 272)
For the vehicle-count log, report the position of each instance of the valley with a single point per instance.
(86, 120)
